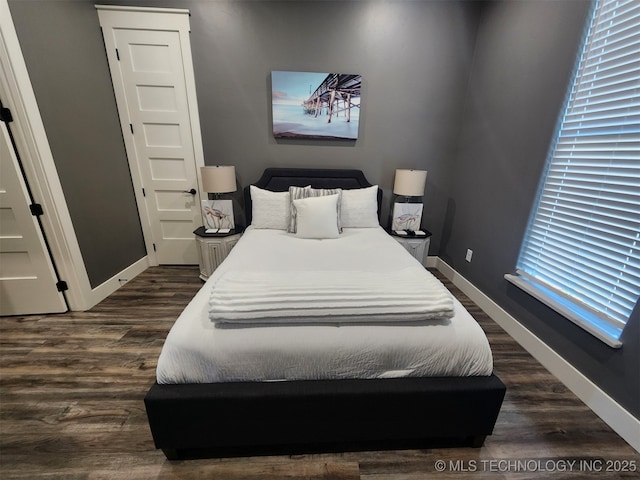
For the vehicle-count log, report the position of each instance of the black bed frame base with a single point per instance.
(318, 448)
(269, 418)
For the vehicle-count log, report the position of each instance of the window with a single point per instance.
(581, 252)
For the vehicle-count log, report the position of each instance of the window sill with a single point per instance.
(586, 320)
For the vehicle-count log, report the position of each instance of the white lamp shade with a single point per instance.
(218, 179)
(410, 183)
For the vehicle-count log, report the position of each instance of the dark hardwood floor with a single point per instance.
(71, 390)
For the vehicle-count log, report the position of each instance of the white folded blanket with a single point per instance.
(249, 297)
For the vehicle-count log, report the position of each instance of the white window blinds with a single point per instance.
(582, 245)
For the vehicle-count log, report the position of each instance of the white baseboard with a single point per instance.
(612, 413)
(105, 289)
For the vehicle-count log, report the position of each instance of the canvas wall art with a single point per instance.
(407, 216)
(217, 215)
(315, 105)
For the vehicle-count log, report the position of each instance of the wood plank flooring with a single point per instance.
(71, 390)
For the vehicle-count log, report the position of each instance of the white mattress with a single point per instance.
(198, 351)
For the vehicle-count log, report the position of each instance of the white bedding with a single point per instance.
(198, 351)
(330, 295)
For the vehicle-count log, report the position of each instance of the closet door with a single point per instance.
(151, 70)
(28, 281)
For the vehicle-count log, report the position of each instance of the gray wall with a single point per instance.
(478, 113)
(414, 58)
(524, 58)
(64, 53)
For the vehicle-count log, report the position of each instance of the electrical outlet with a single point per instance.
(469, 255)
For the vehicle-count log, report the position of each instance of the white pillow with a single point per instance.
(305, 192)
(317, 217)
(360, 208)
(269, 209)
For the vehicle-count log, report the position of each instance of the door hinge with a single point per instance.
(36, 209)
(117, 54)
(131, 127)
(62, 286)
(154, 248)
(144, 194)
(5, 115)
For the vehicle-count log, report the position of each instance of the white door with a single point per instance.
(28, 282)
(150, 60)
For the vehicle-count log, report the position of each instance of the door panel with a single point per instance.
(151, 67)
(27, 277)
(149, 75)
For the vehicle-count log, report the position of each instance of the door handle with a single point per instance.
(192, 191)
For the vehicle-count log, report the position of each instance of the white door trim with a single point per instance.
(122, 8)
(177, 20)
(31, 140)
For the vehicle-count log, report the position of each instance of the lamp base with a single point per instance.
(409, 233)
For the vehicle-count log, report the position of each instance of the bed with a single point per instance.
(228, 384)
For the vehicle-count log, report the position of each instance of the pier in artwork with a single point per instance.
(335, 96)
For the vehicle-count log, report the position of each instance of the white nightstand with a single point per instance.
(213, 249)
(417, 246)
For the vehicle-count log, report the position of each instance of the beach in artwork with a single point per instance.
(297, 113)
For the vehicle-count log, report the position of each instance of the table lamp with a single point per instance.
(408, 215)
(218, 213)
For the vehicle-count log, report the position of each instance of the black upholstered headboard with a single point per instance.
(280, 179)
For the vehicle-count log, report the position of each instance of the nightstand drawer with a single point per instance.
(415, 248)
(418, 247)
(213, 250)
